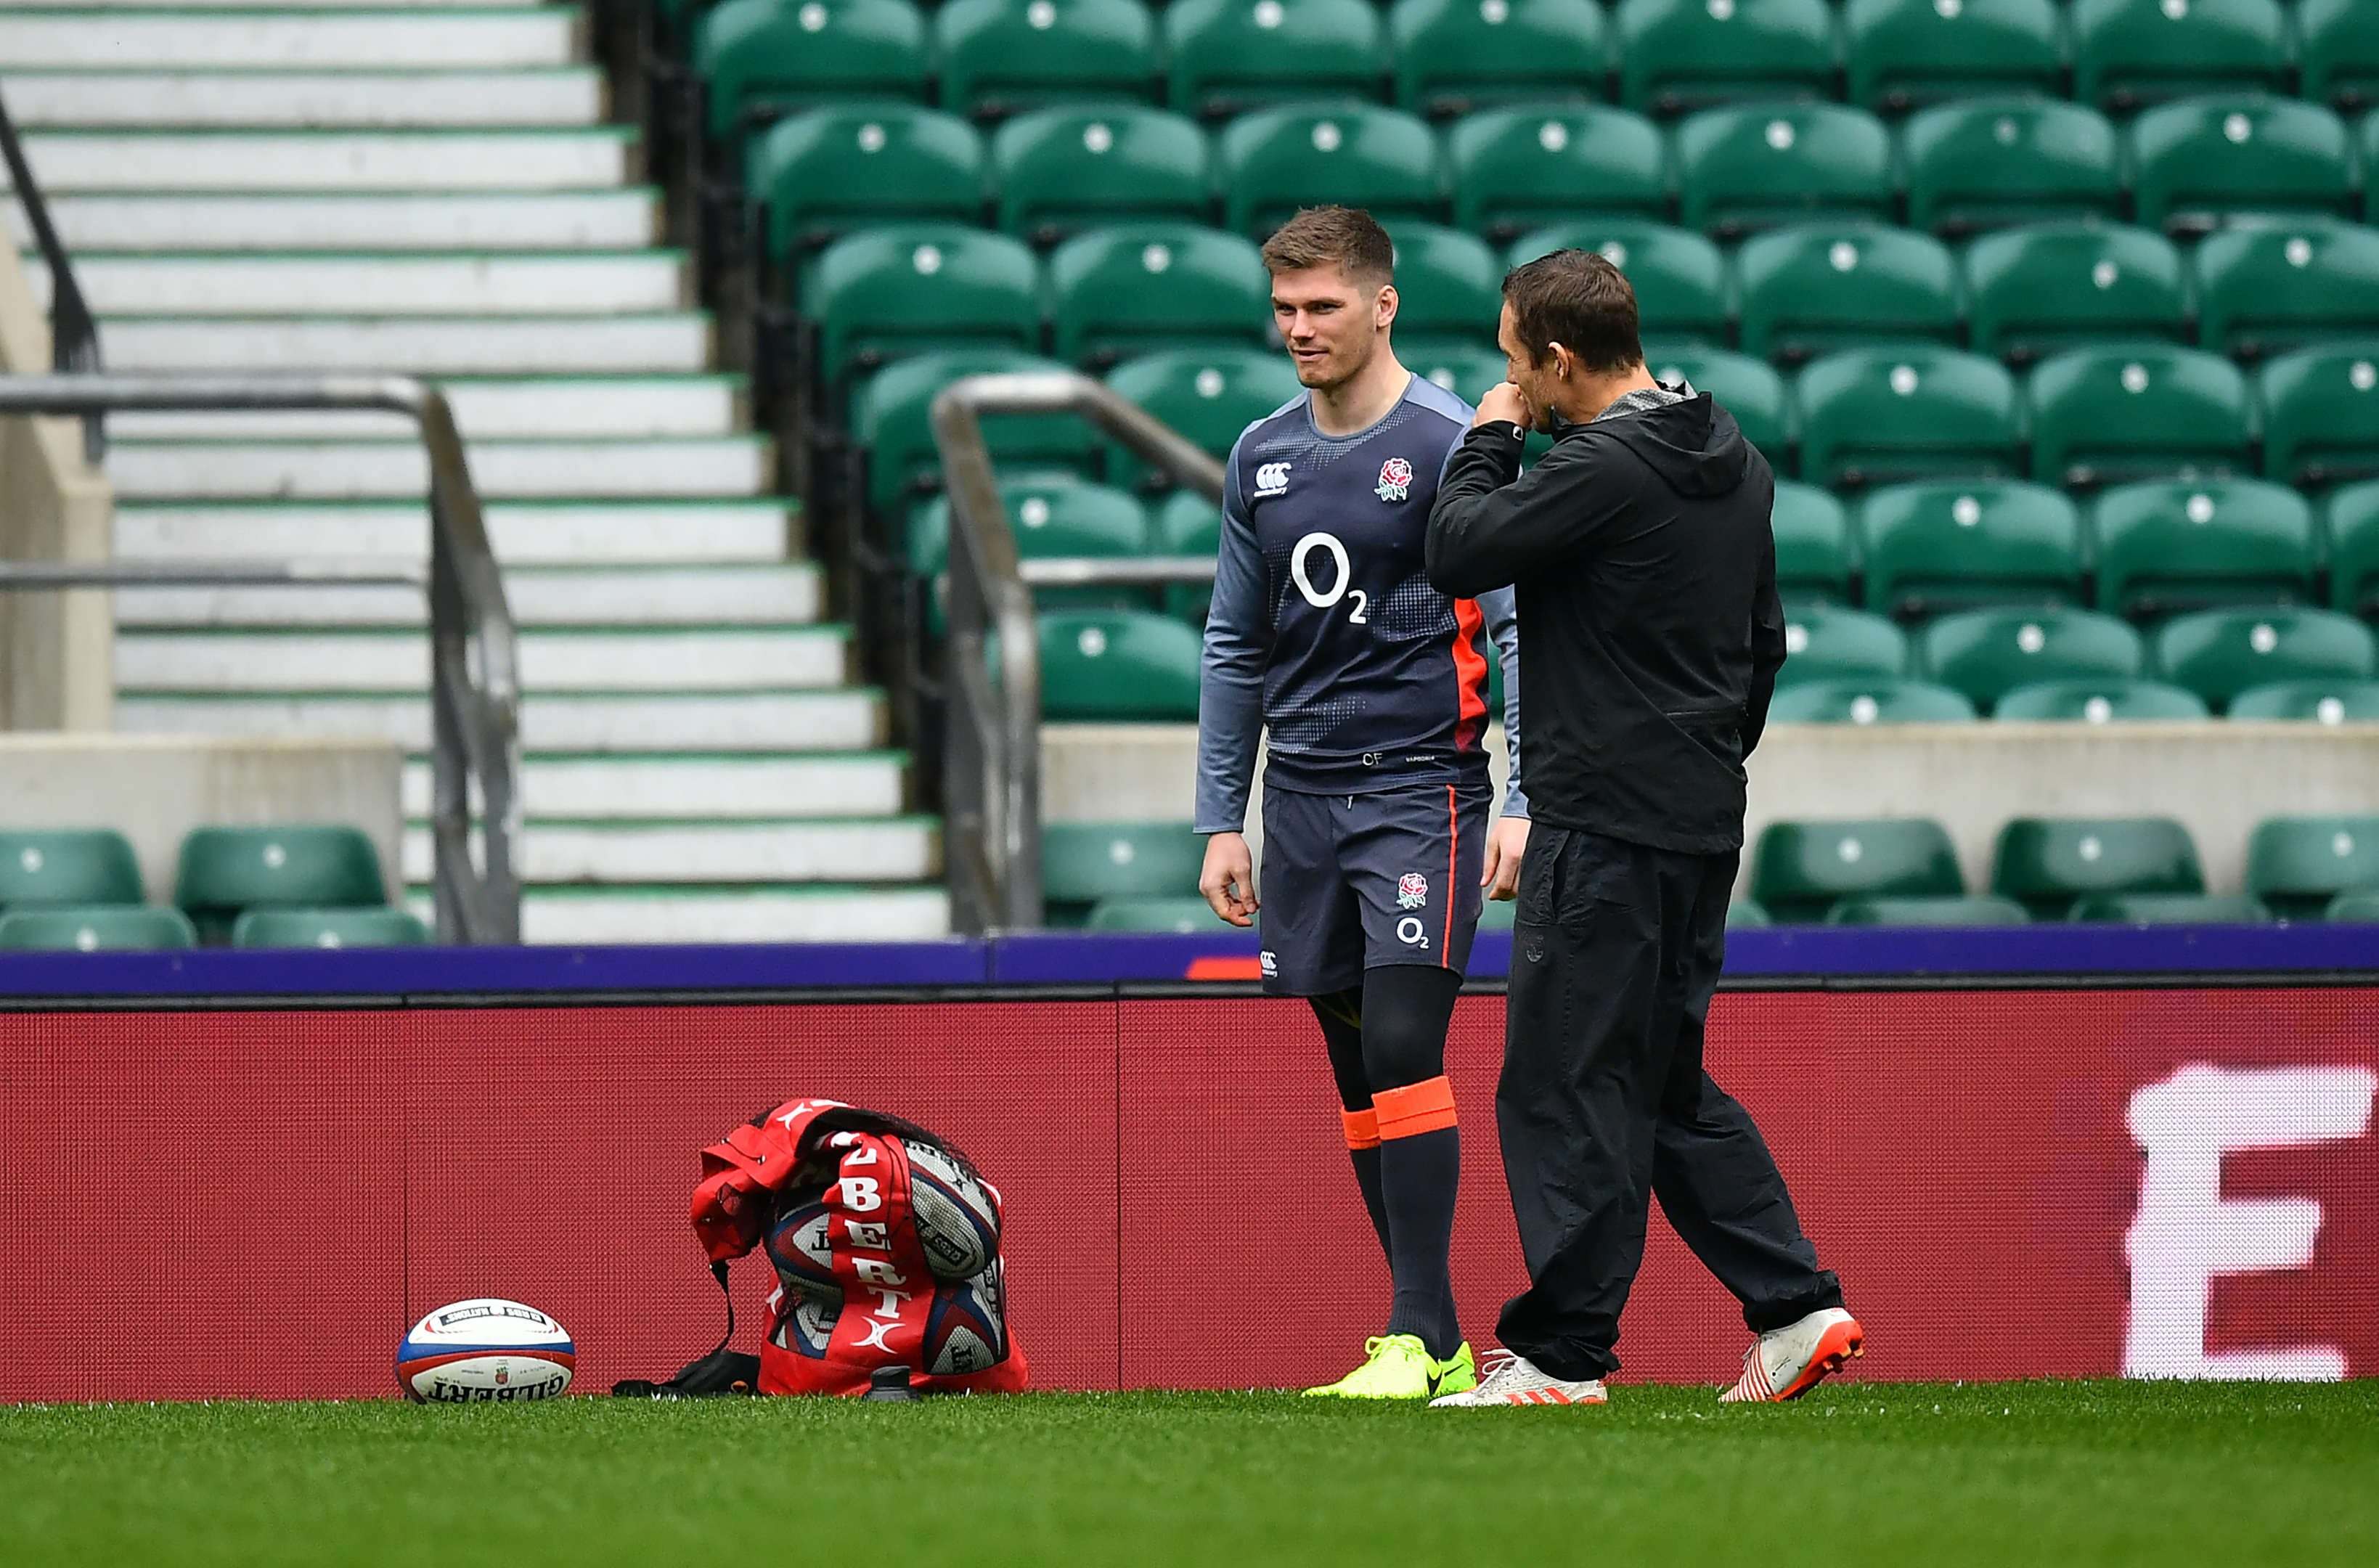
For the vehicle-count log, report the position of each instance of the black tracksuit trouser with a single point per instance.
(1604, 1105)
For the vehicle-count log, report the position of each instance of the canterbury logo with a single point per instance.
(1272, 479)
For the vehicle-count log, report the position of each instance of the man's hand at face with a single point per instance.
(1504, 403)
(1508, 842)
(1229, 879)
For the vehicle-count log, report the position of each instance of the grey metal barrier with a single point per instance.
(74, 334)
(991, 829)
(474, 679)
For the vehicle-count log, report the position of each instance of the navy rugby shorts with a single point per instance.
(1355, 881)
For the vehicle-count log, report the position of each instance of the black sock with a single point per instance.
(1341, 1017)
(1405, 1010)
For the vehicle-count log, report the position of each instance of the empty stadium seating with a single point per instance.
(886, 293)
(1677, 55)
(2097, 701)
(2171, 545)
(1815, 287)
(2320, 414)
(1117, 665)
(891, 421)
(1058, 517)
(760, 57)
(2265, 290)
(1991, 162)
(2353, 534)
(2297, 865)
(1872, 415)
(1227, 56)
(1942, 911)
(818, 175)
(1119, 291)
(2129, 53)
(1987, 653)
(2049, 864)
(1085, 862)
(1879, 700)
(1799, 870)
(2032, 291)
(329, 928)
(94, 929)
(2170, 909)
(1275, 161)
(1816, 553)
(998, 56)
(1066, 167)
(2101, 416)
(1749, 389)
(2322, 700)
(1518, 169)
(225, 871)
(1948, 545)
(2338, 43)
(1753, 166)
(1679, 277)
(1828, 644)
(1903, 54)
(1455, 56)
(1448, 291)
(84, 867)
(1208, 394)
(1182, 916)
(2220, 653)
(2202, 160)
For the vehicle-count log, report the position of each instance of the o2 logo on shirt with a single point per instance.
(1395, 479)
(1271, 480)
(1341, 587)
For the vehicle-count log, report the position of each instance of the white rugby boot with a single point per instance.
(1788, 1362)
(1506, 1376)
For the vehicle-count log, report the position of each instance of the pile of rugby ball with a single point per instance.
(484, 1349)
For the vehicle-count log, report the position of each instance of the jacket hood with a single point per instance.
(1695, 445)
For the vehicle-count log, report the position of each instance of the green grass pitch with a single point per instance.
(1925, 1475)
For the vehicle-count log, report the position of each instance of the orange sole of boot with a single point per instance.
(1842, 1343)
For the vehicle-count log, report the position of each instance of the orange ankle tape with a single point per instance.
(1427, 1106)
(1362, 1128)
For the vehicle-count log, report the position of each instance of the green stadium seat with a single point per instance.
(999, 56)
(2167, 546)
(2101, 416)
(1227, 56)
(1983, 911)
(1816, 553)
(1800, 869)
(1744, 914)
(226, 870)
(1449, 291)
(1117, 666)
(330, 928)
(2353, 533)
(1757, 165)
(1749, 389)
(2320, 414)
(1275, 161)
(2131, 52)
(2337, 42)
(1875, 701)
(1467, 373)
(1678, 56)
(2096, 702)
(891, 425)
(2171, 908)
(1186, 523)
(2049, 863)
(1963, 544)
(2262, 291)
(1991, 162)
(1679, 277)
(1814, 288)
(2197, 161)
(1904, 54)
(1987, 653)
(1140, 287)
(825, 172)
(1058, 170)
(1051, 517)
(2032, 292)
(2358, 909)
(1083, 863)
(2220, 653)
(1452, 57)
(1519, 169)
(910, 288)
(2296, 865)
(757, 59)
(1184, 916)
(1823, 643)
(1874, 415)
(99, 928)
(1208, 394)
(66, 865)
(2335, 701)
(1496, 914)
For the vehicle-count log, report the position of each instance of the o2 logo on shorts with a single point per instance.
(1412, 891)
(1412, 933)
(1395, 479)
(1271, 480)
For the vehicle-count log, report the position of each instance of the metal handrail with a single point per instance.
(74, 334)
(991, 829)
(474, 684)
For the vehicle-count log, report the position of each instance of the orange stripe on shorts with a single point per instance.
(1427, 1106)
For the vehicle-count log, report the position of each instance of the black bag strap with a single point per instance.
(723, 1371)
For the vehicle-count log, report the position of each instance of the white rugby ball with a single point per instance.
(484, 1349)
(956, 1217)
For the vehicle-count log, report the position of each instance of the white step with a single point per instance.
(434, 345)
(715, 465)
(677, 659)
(489, 408)
(559, 917)
(540, 220)
(503, 282)
(570, 95)
(330, 161)
(114, 39)
(552, 533)
(899, 849)
(836, 721)
(677, 786)
(787, 594)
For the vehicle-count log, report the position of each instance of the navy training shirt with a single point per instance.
(1323, 626)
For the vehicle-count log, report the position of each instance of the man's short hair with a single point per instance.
(1578, 299)
(1348, 237)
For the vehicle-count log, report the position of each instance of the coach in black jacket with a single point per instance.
(1645, 575)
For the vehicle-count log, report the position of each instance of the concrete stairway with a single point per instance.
(429, 186)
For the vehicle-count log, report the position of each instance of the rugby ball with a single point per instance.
(966, 1332)
(484, 1349)
(800, 1246)
(806, 1325)
(957, 1217)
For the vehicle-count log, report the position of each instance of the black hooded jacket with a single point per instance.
(1644, 569)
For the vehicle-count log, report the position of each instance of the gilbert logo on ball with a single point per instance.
(484, 1349)
(1395, 479)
